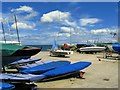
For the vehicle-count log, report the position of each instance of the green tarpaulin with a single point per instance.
(9, 49)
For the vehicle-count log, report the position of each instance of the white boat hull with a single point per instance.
(60, 52)
(92, 49)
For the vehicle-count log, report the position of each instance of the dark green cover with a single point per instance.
(9, 49)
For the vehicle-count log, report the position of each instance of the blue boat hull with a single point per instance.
(116, 47)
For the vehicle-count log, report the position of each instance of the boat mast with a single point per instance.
(17, 29)
(70, 35)
(9, 28)
(3, 32)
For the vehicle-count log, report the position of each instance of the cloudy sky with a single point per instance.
(67, 22)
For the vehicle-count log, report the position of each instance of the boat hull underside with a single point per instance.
(26, 52)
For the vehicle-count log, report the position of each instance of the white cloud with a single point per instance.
(66, 35)
(63, 35)
(32, 14)
(70, 23)
(67, 29)
(89, 21)
(55, 16)
(103, 30)
(22, 25)
(23, 8)
(104, 34)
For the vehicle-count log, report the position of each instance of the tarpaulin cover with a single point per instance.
(116, 47)
(25, 61)
(67, 69)
(6, 86)
(45, 67)
(20, 77)
(9, 49)
(33, 65)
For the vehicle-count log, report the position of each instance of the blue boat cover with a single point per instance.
(22, 61)
(67, 69)
(33, 65)
(116, 47)
(45, 67)
(20, 77)
(6, 86)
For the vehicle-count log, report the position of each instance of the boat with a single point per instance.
(54, 73)
(60, 52)
(55, 51)
(57, 72)
(71, 47)
(92, 48)
(116, 47)
(65, 70)
(19, 78)
(11, 52)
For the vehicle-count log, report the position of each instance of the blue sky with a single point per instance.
(42, 22)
